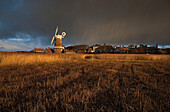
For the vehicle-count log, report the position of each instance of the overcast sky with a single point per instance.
(25, 24)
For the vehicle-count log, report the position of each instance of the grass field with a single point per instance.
(83, 82)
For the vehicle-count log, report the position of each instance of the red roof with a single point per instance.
(48, 49)
(39, 49)
(125, 48)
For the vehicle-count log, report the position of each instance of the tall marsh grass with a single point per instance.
(131, 57)
(84, 82)
(34, 58)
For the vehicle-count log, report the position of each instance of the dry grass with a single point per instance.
(106, 82)
(32, 58)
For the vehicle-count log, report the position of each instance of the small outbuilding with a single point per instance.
(38, 50)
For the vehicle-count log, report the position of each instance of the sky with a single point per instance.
(26, 24)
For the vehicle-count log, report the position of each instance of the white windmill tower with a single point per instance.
(58, 46)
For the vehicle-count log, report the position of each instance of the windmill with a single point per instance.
(58, 46)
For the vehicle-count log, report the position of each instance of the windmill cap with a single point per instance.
(63, 34)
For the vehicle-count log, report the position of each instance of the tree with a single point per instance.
(141, 45)
(131, 46)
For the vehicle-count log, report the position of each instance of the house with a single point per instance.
(68, 51)
(133, 51)
(162, 51)
(168, 50)
(121, 50)
(144, 49)
(151, 50)
(48, 50)
(105, 49)
(110, 49)
(100, 49)
(38, 50)
(93, 48)
(147, 50)
(81, 51)
(89, 50)
(125, 49)
(141, 50)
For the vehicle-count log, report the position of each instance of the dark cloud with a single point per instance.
(87, 21)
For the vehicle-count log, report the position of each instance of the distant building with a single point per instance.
(121, 50)
(125, 49)
(133, 51)
(81, 51)
(38, 50)
(168, 50)
(48, 50)
(105, 49)
(141, 50)
(147, 50)
(93, 48)
(151, 50)
(68, 51)
(162, 51)
(89, 50)
(57, 40)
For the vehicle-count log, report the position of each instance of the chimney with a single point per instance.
(157, 45)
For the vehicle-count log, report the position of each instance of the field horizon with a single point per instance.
(84, 82)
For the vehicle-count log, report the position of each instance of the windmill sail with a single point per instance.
(56, 31)
(55, 35)
(52, 40)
